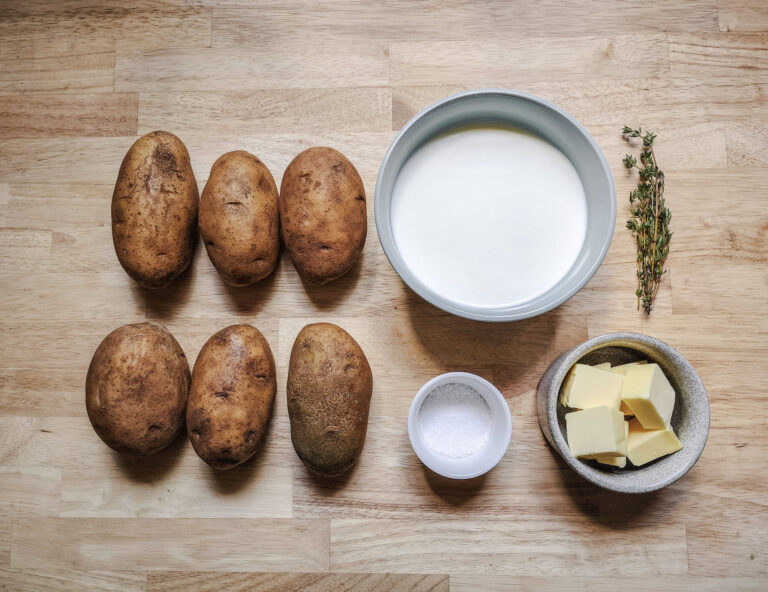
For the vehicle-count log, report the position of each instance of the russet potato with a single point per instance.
(136, 389)
(322, 214)
(329, 393)
(154, 210)
(232, 394)
(239, 219)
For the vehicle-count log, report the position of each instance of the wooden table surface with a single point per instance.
(79, 81)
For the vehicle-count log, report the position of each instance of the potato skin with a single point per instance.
(136, 389)
(154, 210)
(239, 218)
(329, 393)
(233, 390)
(322, 214)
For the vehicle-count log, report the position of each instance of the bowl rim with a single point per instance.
(486, 388)
(481, 313)
(622, 339)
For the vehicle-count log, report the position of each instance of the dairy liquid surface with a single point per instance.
(489, 216)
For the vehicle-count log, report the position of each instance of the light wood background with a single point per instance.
(79, 81)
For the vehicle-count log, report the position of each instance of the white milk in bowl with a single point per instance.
(489, 216)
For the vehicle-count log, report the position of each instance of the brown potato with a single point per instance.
(322, 214)
(136, 389)
(233, 390)
(239, 219)
(329, 392)
(154, 210)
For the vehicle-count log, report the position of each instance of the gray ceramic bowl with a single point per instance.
(690, 419)
(534, 115)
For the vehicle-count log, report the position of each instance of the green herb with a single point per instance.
(650, 219)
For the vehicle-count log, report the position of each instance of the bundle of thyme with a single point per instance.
(650, 219)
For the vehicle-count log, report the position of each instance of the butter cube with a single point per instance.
(596, 431)
(587, 387)
(603, 366)
(615, 461)
(624, 408)
(624, 367)
(649, 396)
(643, 445)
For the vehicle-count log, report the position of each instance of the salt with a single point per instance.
(455, 420)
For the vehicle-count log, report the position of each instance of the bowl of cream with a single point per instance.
(459, 425)
(495, 205)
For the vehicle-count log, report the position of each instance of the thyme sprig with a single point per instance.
(650, 219)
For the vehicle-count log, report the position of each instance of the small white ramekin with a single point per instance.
(498, 440)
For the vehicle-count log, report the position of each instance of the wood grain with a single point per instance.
(5, 197)
(743, 15)
(81, 79)
(718, 54)
(462, 583)
(57, 204)
(50, 442)
(520, 546)
(33, 7)
(97, 30)
(731, 541)
(29, 491)
(485, 63)
(298, 111)
(747, 144)
(79, 73)
(76, 297)
(5, 542)
(77, 249)
(618, 102)
(35, 580)
(101, 114)
(687, 147)
(189, 490)
(308, 582)
(42, 392)
(120, 544)
(237, 23)
(33, 249)
(243, 69)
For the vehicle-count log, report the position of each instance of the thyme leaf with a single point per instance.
(650, 218)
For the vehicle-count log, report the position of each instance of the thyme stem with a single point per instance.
(650, 219)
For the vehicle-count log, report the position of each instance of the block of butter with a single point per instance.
(624, 367)
(603, 366)
(587, 387)
(643, 445)
(614, 461)
(598, 431)
(649, 396)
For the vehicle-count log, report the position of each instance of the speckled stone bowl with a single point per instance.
(690, 419)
